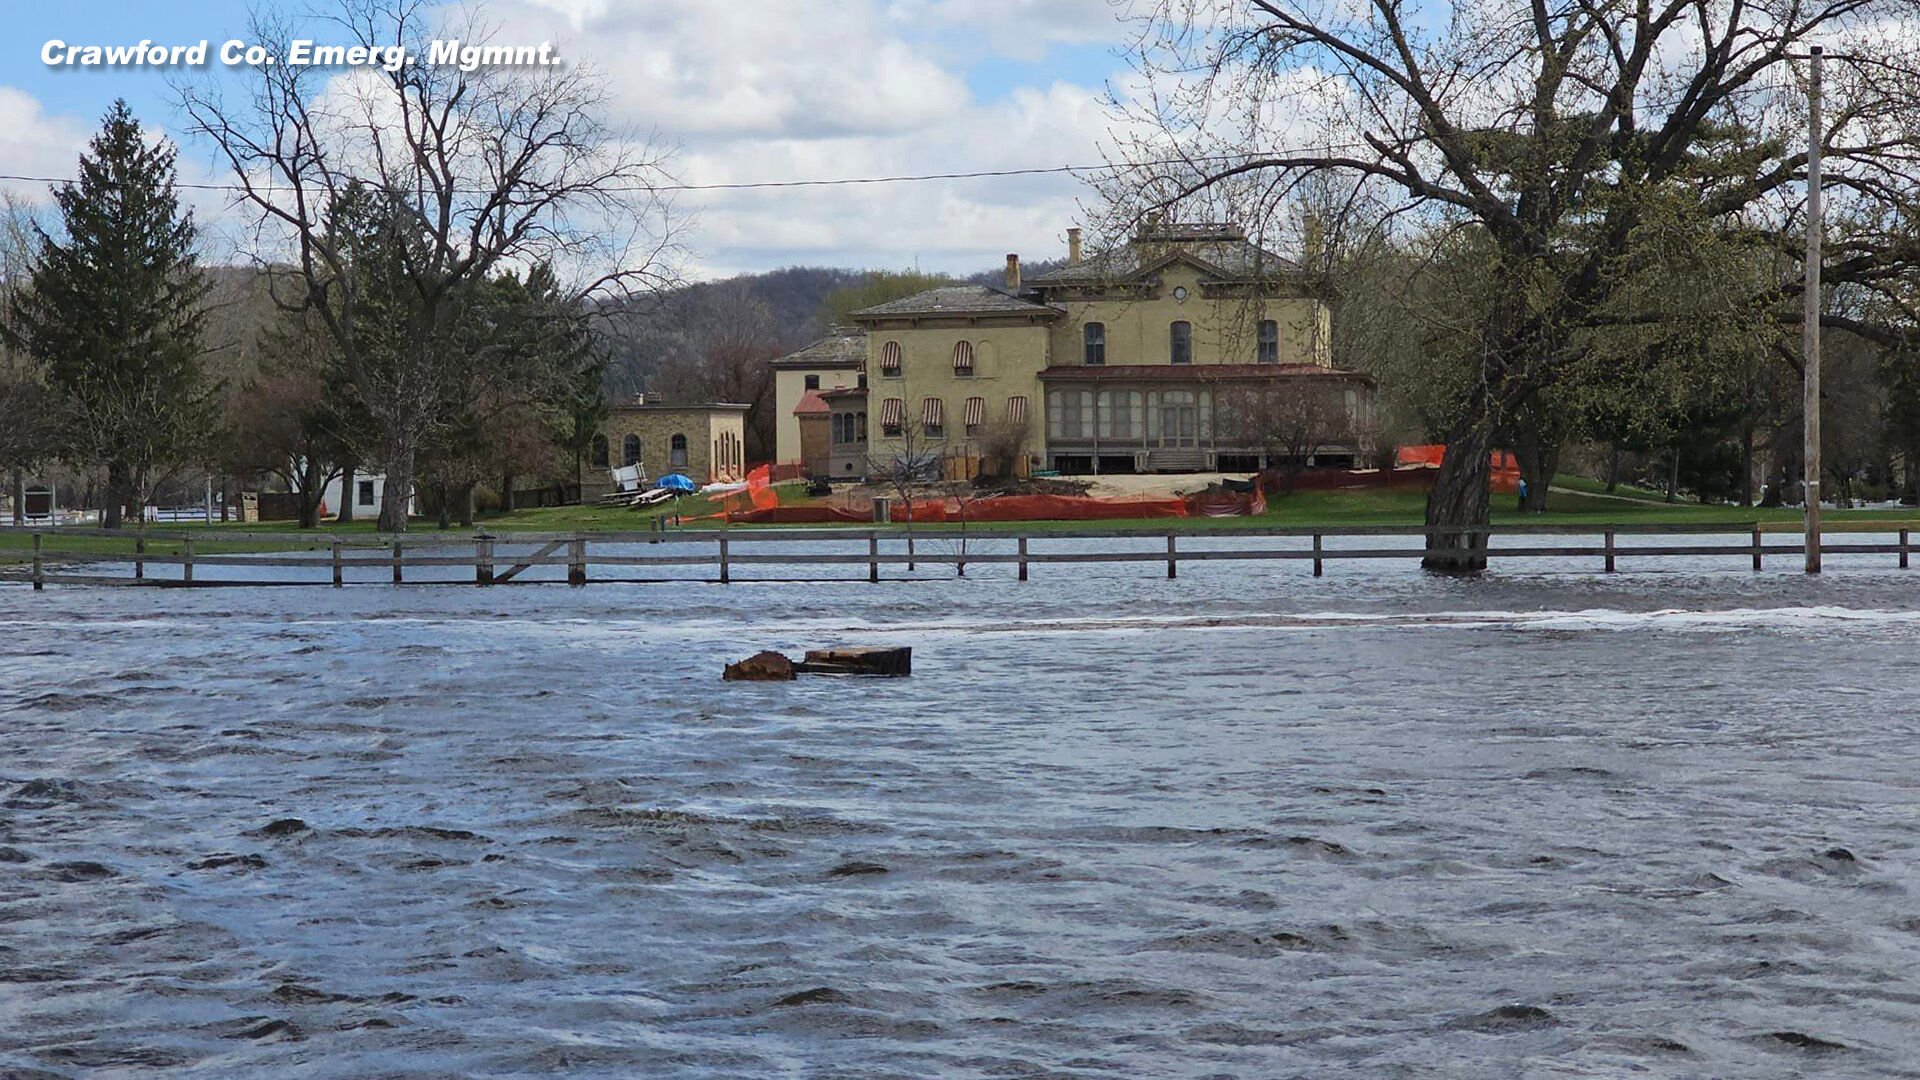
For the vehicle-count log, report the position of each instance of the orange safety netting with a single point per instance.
(1504, 467)
(997, 508)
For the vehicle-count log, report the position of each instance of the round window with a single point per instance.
(1180, 294)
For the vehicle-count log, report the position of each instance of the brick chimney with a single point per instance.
(1073, 247)
(1013, 272)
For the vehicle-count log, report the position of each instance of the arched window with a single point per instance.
(963, 360)
(600, 451)
(1269, 342)
(1180, 342)
(630, 450)
(890, 358)
(1095, 336)
(677, 451)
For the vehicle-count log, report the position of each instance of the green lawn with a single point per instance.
(1304, 509)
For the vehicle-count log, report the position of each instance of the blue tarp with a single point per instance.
(676, 482)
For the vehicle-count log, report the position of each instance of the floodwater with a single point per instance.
(1244, 824)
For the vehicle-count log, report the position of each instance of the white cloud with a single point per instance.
(817, 89)
(1021, 29)
(33, 143)
(780, 90)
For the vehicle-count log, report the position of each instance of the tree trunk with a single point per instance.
(345, 513)
(1537, 469)
(1613, 467)
(310, 494)
(1459, 500)
(19, 495)
(398, 493)
(1673, 474)
(443, 506)
(506, 493)
(466, 504)
(115, 506)
(1746, 464)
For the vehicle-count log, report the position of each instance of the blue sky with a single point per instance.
(766, 90)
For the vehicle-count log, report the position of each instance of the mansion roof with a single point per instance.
(958, 300)
(1221, 251)
(843, 347)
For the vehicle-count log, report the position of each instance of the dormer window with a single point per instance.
(1269, 342)
(1180, 342)
(1095, 336)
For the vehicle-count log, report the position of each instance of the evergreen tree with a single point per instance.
(114, 315)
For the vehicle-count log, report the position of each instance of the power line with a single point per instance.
(840, 181)
(905, 178)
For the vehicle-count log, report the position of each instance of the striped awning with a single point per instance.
(932, 412)
(890, 358)
(976, 411)
(1017, 409)
(892, 411)
(963, 358)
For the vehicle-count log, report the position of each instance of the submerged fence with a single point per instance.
(154, 558)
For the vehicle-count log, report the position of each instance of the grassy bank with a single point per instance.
(1574, 502)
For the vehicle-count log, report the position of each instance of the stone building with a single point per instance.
(1189, 348)
(706, 443)
(834, 362)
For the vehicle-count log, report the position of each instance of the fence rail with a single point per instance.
(346, 558)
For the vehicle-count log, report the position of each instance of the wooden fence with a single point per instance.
(347, 560)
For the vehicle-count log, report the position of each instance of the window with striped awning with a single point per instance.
(963, 359)
(1017, 409)
(976, 413)
(932, 414)
(892, 415)
(890, 358)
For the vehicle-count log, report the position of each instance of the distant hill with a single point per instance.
(655, 330)
(784, 303)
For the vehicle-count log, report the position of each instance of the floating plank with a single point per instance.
(880, 662)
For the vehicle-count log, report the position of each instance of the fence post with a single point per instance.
(725, 577)
(1756, 546)
(186, 559)
(1609, 551)
(396, 562)
(139, 564)
(1023, 558)
(577, 562)
(39, 566)
(1903, 549)
(1171, 571)
(483, 560)
(873, 557)
(336, 563)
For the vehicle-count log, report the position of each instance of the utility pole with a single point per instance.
(1810, 329)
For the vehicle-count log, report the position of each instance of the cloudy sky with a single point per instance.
(748, 90)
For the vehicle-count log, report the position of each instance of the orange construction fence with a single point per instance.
(1503, 466)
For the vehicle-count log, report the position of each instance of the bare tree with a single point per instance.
(1287, 423)
(29, 418)
(911, 472)
(471, 170)
(1001, 445)
(716, 346)
(1549, 131)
